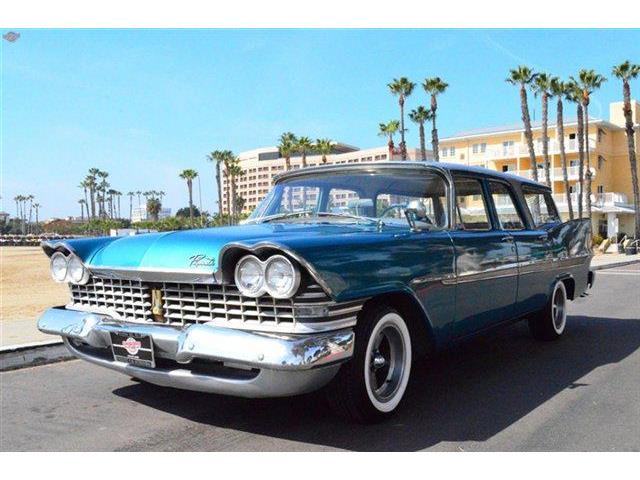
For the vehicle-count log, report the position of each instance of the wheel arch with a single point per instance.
(423, 339)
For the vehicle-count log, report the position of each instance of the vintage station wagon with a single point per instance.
(341, 278)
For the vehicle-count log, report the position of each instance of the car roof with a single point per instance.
(418, 165)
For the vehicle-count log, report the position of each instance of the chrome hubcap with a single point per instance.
(387, 364)
(558, 310)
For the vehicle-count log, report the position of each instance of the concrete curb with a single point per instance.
(614, 265)
(31, 354)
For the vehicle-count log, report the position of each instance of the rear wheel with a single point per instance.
(371, 385)
(550, 322)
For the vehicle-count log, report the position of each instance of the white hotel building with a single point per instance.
(262, 164)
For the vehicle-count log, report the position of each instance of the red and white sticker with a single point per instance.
(131, 345)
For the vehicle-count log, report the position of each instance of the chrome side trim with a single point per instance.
(149, 274)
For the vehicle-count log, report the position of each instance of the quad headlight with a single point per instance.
(68, 269)
(276, 276)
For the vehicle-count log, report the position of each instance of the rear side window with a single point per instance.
(471, 208)
(541, 205)
(503, 200)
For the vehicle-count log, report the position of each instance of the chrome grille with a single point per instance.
(126, 298)
(222, 305)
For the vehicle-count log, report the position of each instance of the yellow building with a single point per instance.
(259, 167)
(505, 149)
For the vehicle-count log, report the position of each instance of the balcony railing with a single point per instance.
(607, 199)
(520, 149)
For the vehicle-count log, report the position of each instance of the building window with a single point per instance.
(475, 148)
(444, 152)
(483, 147)
(600, 188)
(601, 161)
(452, 151)
(505, 168)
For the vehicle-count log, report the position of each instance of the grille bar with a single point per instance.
(222, 305)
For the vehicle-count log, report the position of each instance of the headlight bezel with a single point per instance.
(68, 278)
(264, 286)
(295, 272)
(85, 271)
(53, 258)
(236, 277)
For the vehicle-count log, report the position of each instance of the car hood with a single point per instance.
(199, 250)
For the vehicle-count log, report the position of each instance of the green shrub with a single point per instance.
(597, 239)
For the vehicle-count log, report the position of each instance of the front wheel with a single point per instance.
(550, 322)
(371, 385)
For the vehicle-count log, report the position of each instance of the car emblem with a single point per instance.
(157, 308)
(131, 345)
(201, 260)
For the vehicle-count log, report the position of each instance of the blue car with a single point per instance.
(340, 279)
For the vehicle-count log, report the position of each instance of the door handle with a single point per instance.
(507, 238)
(544, 236)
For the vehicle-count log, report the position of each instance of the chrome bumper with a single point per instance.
(279, 365)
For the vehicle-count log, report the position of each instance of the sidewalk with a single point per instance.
(610, 260)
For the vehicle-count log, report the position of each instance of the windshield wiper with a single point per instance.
(378, 222)
(278, 216)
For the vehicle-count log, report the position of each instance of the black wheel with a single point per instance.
(369, 387)
(550, 322)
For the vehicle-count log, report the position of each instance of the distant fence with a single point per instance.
(30, 240)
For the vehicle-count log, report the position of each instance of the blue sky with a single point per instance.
(145, 104)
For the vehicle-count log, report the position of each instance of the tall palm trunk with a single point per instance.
(86, 200)
(434, 130)
(190, 188)
(588, 174)
(130, 207)
(580, 158)
(233, 199)
(82, 212)
(423, 147)
(228, 196)
(628, 126)
(403, 145)
(545, 139)
(563, 155)
(391, 146)
(526, 119)
(92, 196)
(219, 188)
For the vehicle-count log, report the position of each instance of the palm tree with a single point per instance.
(217, 158)
(627, 71)
(103, 186)
(153, 208)
(324, 147)
(419, 116)
(434, 86)
(81, 202)
(37, 207)
(402, 87)
(558, 89)
(235, 171)
(188, 175)
(130, 195)
(303, 145)
(92, 179)
(84, 184)
(523, 76)
(588, 81)
(30, 200)
(287, 147)
(541, 86)
(574, 94)
(388, 130)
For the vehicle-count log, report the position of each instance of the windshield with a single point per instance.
(389, 197)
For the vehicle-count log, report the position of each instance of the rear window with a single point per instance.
(541, 205)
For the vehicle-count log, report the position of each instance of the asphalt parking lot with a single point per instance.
(502, 392)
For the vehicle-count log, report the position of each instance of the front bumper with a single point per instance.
(240, 363)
